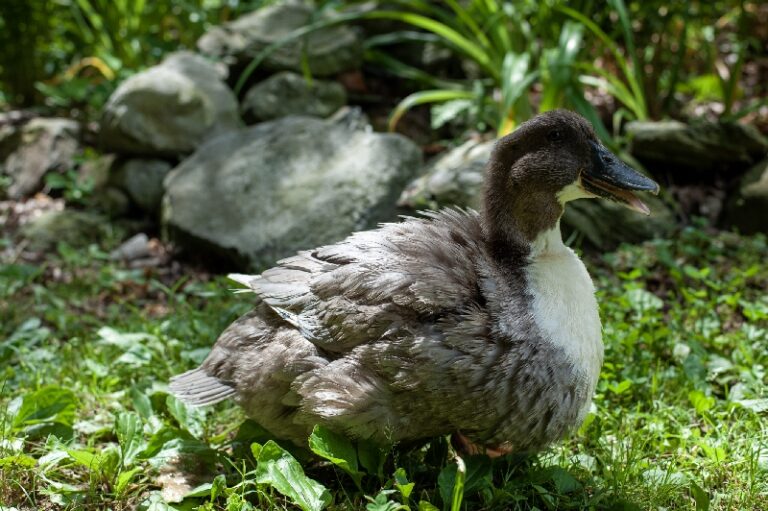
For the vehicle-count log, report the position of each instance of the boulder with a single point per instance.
(456, 177)
(327, 51)
(142, 180)
(169, 109)
(75, 228)
(288, 93)
(697, 147)
(453, 178)
(605, 224)
(747, 210)
(260, 194)
(42, 145)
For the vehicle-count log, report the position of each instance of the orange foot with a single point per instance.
(465, 446)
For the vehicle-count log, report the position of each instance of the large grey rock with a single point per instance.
(328, 51)
(748, 208)
(456, 179)
(288, 93)
(142, 179)
(43, 145)
(605, 224)
(702, 146)
(75, 228)
(169, 109)
(263, 193)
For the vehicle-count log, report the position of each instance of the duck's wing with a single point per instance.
(377, 282)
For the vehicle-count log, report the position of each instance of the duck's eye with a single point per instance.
(555, 135)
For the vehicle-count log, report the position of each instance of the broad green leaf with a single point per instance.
(382, 503)
(190, 418)
(701, 497)
(277, 468)
(48, 405)
(564, 482)
(128, 428)
(181, 447)
(124, 479)
(476, 476)
(218, 487)
(337, 449)
(401, 483)
(371, 457)
(700, 401)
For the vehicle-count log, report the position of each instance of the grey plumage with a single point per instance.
(420, 328)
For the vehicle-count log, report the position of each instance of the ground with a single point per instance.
(87, 345)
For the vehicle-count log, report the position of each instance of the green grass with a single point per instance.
(87, 346)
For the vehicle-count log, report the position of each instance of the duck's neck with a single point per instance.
(547, 243)
(521, 224)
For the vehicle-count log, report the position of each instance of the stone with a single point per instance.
(135, 247)
(605, 224)
(698, 147)
(142, 179)
(327, 51)
(44, 145)
(455, 179)
(73, 227)
(288, 93)
(747, 209)
(260, 194)
(169, 109)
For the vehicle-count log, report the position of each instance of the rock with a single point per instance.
(698, 147)
(113, 201)
(605, 224)
(75, 228)
(328, 51)
(295, 183)
(169, 109)
(44, 145)
(142, 179)
(456, 177)
(135, 247)
(288, 93)
(95, 172)
(748, 208)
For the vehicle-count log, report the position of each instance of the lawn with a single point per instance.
(87, 346)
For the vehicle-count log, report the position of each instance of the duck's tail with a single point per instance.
(197, 387)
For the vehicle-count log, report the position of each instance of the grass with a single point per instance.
(87, 346)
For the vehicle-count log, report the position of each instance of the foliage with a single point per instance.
(86, 421)
(542, 55)
(75, 52)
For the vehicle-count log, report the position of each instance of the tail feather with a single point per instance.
(197, 387)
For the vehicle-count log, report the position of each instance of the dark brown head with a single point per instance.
(550, 160)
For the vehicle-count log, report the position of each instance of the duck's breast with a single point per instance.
(564, 308)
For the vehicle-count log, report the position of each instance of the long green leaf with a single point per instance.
(424, 97)
(465, 18)
(621, 61)
(451, 36)
(615, 88)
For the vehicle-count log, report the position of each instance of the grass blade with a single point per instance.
(424, 97)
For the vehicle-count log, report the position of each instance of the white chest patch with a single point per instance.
(564, 304)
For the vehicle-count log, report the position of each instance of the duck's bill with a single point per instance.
(611, 178)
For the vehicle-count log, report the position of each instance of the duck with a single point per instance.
(482, 325)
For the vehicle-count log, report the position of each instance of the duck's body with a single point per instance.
(481, 324)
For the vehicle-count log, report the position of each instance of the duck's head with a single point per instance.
(546, 162)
